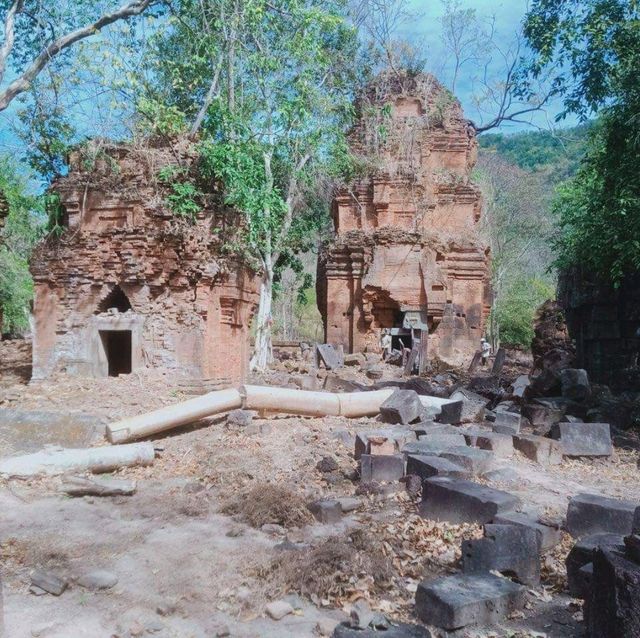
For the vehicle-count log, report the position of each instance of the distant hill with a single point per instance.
(558, 152)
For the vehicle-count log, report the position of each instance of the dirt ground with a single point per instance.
(187, 570)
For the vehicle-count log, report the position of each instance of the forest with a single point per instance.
(537, 183)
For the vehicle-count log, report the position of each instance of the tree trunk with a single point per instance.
(262, 353)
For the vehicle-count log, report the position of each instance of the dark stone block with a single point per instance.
(548, 537)
(575, 384)
(331, 357)
(473, 405)
(403, 406)
(453, 602)
(595, 514)
(444, 440)
(538, 448)
(450, 413)
(541, 414)
(460, 501)
(425, 447)
(510, 549)
(510, 420)
(326, 511)
(613, 609)
(581, 554)
(472, 459)
(400, 630)
(428, 466)
(583, 439)
(381, 467)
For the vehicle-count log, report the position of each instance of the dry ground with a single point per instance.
(186, 570)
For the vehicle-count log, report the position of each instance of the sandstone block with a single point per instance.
(330, 356)
(510, 549)
(427, 466)
(595, 514)
(507, 422)
(538, 448)
(473, 460)
(453, 602)
(460, 501)
(403, 406)
(581, 555)
(548, 537)
(450, 413)
(473, 405)
(399, 437)
(584, 439)
(381, 467)
(326, 511)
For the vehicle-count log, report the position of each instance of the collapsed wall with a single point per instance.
(127, 284)
(604, 323)
(407, 253)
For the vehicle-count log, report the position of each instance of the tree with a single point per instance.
(22, 228)
(36, 33)
(265, 85)
(594, 46)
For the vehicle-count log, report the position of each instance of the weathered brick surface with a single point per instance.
(190, 308)
(407, 234)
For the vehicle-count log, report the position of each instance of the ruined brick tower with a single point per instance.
(128, 284)
(407, 253)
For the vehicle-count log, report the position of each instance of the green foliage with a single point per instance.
(160, 119)
(594, 43)
(22, 230)
(515, 309)
(561, 151)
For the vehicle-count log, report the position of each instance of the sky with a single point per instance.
(424, 31)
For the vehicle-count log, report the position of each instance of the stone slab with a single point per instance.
(453, 602)
(595, 514)
(460, 501)
(402, 407)
(330, 356)
(584, 439)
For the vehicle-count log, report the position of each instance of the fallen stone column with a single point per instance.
(173, 416)
(96, 460)
(261, 398)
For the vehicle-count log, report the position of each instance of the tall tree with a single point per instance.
(264, 83)
(594, 44)
(35, 33)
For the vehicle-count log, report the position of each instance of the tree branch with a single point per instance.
(23, 82)
(9, 35)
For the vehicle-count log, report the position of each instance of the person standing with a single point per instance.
(385, 342)
(485, 350)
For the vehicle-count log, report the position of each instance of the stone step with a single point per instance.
(453, 602)
(460, 501)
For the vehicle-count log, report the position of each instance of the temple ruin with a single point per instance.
(407, 253)
(127, 284)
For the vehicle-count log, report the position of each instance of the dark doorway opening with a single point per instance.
(117, 347)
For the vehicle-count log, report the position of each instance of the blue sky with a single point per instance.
(425, 33)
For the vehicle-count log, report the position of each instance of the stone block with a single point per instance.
(443, 440)
(613, 609)
(453, 602)
(459, 501)
(595, 514)
(326, 511)
(401, 630)
(510, 549)
(399, 437)
(538, 448)
(581, 554)
(520, 386)
(548, 537)
(499, 444)
(471, 459)
(575, 384)
(380, 468)
(542, 415)
(427, 466)
(473, 405)
(403, 406)
(355, 359)
(584, 439)
(330, 356)
(424, 447)
(450, 412)
(507, 422)
(48, 582)
(425, 428)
